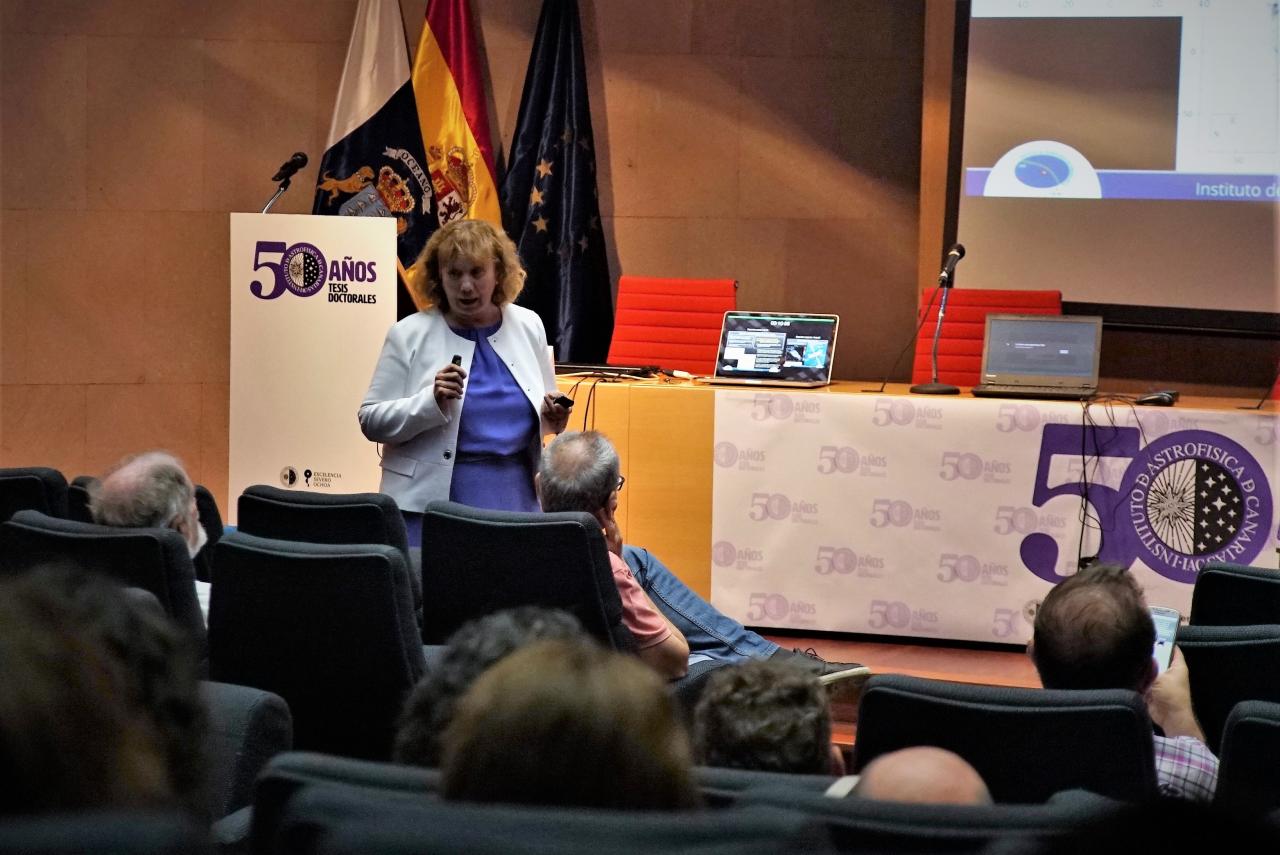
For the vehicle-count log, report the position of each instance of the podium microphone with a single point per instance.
(945, 281)
(293, 164)
(284, 174)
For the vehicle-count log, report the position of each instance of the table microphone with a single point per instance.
(949, 265)
(933, 387)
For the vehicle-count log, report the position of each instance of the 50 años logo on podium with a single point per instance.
(301, 269)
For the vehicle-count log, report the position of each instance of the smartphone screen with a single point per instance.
(1166, 621)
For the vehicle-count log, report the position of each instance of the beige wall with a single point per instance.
(775, 141)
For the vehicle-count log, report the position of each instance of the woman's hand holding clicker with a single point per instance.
(556, 416)
(449, 383)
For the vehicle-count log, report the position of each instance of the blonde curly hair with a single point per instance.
(475, 240)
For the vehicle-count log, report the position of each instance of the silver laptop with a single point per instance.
(776, 349)
(1040, 356)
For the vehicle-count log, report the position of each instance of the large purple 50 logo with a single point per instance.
(300, 269)
(1188, 498)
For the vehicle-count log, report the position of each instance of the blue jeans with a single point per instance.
(710, 634)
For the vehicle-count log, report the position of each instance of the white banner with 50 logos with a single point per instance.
(951, 518)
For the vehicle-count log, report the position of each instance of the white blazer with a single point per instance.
(420, 439)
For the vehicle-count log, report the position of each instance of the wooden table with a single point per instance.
(665, 432)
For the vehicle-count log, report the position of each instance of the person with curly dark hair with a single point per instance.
(474, 648)
(767, 716)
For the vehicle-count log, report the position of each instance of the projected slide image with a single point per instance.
(1044, 115)
(1043, 168)
(1124, 153)
(1123, 100)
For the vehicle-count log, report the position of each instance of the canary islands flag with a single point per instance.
(449, 85)
(374, 164)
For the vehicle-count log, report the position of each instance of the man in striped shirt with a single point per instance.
(1094, 631)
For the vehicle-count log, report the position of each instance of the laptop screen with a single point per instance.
(777, 346)
(1045, 349)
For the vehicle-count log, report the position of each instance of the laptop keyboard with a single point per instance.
(1058, 393)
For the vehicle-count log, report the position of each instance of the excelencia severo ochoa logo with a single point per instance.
(301, 269)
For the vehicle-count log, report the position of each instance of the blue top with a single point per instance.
(497, 427)
(496, 416)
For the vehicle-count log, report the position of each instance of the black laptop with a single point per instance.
(1040, 356)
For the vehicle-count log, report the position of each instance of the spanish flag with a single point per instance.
(448, 85)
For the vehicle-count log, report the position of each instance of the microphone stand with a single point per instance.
(934, 387)
(284, 185)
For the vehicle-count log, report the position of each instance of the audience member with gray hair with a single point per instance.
(151, 490)
(580, 471)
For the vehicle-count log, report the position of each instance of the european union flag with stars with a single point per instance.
(549, 202)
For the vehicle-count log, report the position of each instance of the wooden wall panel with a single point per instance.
(774, 141)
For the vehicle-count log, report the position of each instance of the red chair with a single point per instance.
(671, 323)
(960, 346)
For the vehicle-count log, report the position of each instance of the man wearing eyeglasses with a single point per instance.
(672, 625)
(580, 473)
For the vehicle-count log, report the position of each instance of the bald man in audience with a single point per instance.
(924, 775)
(151, 490)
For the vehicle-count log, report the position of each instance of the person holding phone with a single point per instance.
(1095, 631)
(1166, 622)
(464, 390)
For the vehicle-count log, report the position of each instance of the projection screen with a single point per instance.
(1124, 152)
